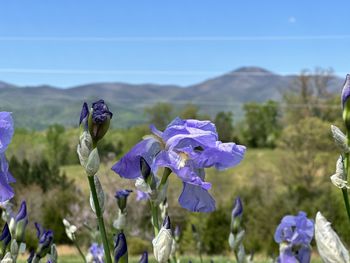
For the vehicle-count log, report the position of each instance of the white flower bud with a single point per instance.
(235, 240)
(84, 148)
(7, 258)
(93, 163)
(329, 246)
(14, 247)
(120, 222)
(100, 196)
(12, 226)
(340, 139)
(70, 229)
(163, 242)
(22, 248)
(339, 176)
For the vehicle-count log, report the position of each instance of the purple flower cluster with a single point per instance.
(295, 233)
(6, 133)
(186, 147)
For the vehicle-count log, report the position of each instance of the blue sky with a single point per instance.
(66, 43)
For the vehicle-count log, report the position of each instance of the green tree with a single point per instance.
(224, 125)
(160, 114)
(57, 146)
(262, 125)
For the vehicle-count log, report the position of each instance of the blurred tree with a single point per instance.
(224, 125)
(308, 96)
(57, 147)
(160, 114)
(262, 126)
(190, 111)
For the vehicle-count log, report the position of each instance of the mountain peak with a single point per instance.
(254, 70)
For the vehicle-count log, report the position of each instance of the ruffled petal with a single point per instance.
(196, 199)
(6, 130)
(129, 165)
(222, 156)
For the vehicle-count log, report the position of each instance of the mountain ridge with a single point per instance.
(36, 107)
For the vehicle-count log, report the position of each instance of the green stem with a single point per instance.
(79, 250)
(101, 224)
(155, 218)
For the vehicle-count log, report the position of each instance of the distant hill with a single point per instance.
(38, 107)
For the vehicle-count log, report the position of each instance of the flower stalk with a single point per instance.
(100, 221)
(346, 164)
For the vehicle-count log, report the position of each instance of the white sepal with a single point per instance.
(70, 229)
(7, 258)
(84, 148)
(339, 176)
(93, 163)
(120, 222)
(162, 245)
(100, 196)
(329, 246)
(340, 139)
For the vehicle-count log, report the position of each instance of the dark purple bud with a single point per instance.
(120, 249)
(84, 113)
(144, 257)
(45, 241)
(346, 90)
(100, 112)
(121, 197)
(145, 168)
(237, 210)
(5, 237)
(166, 223)
(99, 119)
(31, 256)
(21, 222)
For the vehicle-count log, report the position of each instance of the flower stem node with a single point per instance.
(163, 242)
(93, 163)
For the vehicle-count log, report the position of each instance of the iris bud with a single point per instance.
(21, 222)
(5, 239)
(163, 242)
(84, 114)
(346, 102)
(99, 120)
(147, 174)
(84, 148)
(237, 213)
(122, 197)
(120, 249)
(144, 257)
(45, 241)
(7, 258)
(340, 139)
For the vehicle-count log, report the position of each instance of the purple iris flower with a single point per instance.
(100, 112)
(186, 147)
(45, 240)
(6, 134)
(346, 90)
(296, 233)
(237, 208)
(97, 253)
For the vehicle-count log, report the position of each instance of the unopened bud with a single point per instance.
(162, 243)
(93, 163)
